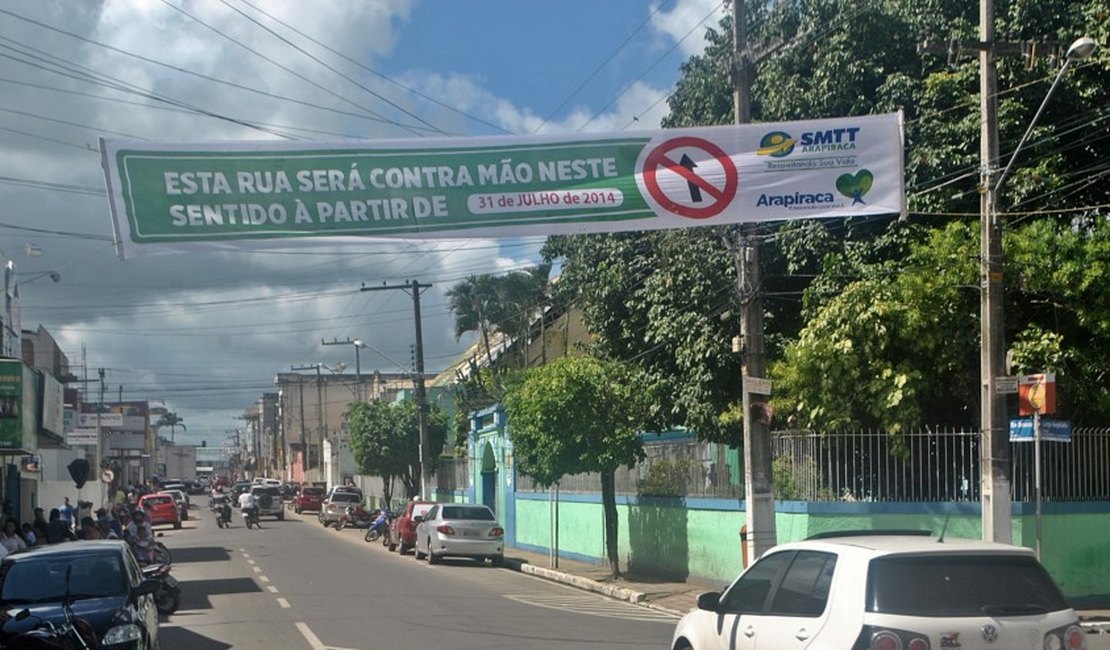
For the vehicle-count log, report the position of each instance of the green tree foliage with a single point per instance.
(875, 321)
(171, 420)
(580, 414)
(386, 441)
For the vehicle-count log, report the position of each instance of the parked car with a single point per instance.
(869, 592)
(335, 505)
(180, 499)
(309, 498)
(402, 534)
(268, 498)
(239, 488)
(113, 596)
(459, 530)
(160, 509)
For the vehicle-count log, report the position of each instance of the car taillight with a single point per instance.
(1065, 638)
(881, 638)
(445, 529)
(886, 641)
(497, 531)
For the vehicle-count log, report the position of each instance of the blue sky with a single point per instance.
(207, 332)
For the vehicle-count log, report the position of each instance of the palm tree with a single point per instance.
(171, 420)
(473, 301)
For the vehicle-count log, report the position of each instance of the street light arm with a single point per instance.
(1029, 131)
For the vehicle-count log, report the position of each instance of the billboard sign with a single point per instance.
(1036, 394)
(53, 405)
(106, 420)
(239, 194)
(11, 404)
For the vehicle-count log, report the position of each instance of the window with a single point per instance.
(961, 585)
(470, 513)
(805, 587)
(431, 514)
(749, 593)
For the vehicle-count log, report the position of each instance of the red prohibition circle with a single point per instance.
(658, 159)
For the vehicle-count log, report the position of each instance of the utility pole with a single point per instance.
(358, 363)
(759, 493)
(413, 288)
(319, 409)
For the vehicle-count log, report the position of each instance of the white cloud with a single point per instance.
(687, 22)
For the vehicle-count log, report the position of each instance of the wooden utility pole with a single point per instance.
(759, 503)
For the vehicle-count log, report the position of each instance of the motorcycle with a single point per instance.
(355, 517)
(222, 510)
(380, 528)
(74, 634)
(168, 597)
(250, 518)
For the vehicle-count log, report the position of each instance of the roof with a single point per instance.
(80, 547)
(906, 543)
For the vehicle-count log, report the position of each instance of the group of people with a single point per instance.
(68, 523)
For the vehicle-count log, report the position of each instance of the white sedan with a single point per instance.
(460, 530)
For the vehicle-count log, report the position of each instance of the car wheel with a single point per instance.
(341, 524)
(432, 557)
(324, 522)
(497, 560)
(416, 552)
(297, 509)
(281, 516)
(391, 546)
(176, 525)
(402, 548)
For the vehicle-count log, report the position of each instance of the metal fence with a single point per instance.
(930, 466)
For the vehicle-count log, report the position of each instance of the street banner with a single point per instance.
(235, 194)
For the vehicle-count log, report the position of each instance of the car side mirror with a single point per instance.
(709, 601)
(417, 519)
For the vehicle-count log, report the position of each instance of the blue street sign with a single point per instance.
(1021, 430)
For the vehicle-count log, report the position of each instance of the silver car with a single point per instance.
(460, 530)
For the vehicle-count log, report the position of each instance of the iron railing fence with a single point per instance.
(928, 466)
(452, 474)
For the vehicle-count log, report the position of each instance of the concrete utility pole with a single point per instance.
(320, 427)
(358, 363)
(413, 288)
(760, 498)
(994, 444)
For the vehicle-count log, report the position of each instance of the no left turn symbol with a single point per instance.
(690, 177)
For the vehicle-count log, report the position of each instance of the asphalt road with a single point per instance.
(295, 584)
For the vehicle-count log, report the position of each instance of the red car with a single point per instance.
(402, 532)
(160, 509)
(309, 498)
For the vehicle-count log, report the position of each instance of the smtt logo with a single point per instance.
(855, 186)
(776, 144)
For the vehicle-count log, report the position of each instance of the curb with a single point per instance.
(618, 593)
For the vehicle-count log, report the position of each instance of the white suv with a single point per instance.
(885, 591)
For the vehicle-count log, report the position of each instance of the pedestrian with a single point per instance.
(89, 529)
(67, 511)
(29, 534)
(10, 538)
(56, 530)
(38, 525)
(138, 520)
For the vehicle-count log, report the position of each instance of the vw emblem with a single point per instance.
(990, 633)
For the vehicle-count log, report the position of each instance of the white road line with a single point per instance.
(264, 578)
(284, 603)
(313, 641)
(272, 589)
(258, 569)
(251, 562)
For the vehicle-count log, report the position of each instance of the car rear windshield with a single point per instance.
(347, 497)
(961, 585)
(312, 492)
(45, 580)
(477, 514)
(158, 500)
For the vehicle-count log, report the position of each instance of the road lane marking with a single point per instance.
(284, 603)
(258, 569)
(264, 578)
(251, 562)
(592, 605)
(313, 640)
(272, 589)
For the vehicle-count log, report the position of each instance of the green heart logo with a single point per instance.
(855, 186)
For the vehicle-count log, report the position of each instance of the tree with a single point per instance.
(386, 441)
(580, 414)
(473, 301)
(171, 420)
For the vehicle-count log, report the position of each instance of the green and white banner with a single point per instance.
(225, 194)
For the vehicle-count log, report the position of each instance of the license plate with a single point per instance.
(469, 533)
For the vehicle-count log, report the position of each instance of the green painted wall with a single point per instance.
(679, 539)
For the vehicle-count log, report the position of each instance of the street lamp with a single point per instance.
(995, 498)
(358, 368)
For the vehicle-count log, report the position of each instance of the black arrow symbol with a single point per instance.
(695, 191)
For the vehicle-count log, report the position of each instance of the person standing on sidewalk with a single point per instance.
(66, 510)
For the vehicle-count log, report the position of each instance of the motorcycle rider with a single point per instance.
(247, 505)
(380, 522)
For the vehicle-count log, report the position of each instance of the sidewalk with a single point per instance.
(670, 596)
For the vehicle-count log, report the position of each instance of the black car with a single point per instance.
(101, 578)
